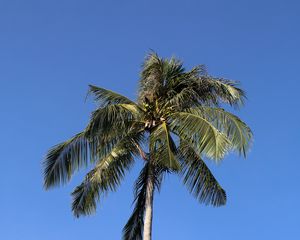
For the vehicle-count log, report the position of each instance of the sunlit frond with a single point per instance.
(198, 178)
(239, 134)
(199, 132)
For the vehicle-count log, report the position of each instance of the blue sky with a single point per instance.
(51, 50)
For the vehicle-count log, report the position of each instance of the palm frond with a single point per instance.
(199, 132)
(107, 126)
(151, 78)
(173, 69)
(184, 91)
(63, 159)
(156, 75)
(185, 79)
(113, 119)
(186, 98)
(198, 178)
(108, 144)
(163, 147)
(106, 176)
(112, 123)
(105, 97)
(204, 89)
(226, 90)
(239, 134)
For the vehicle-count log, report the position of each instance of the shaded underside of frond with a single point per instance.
(227, 91)
(63, 159)
(162, 147)
(107, 120)
(107, 126)
(106, 176)
(198, 178)
(156, 74)
(196, 87)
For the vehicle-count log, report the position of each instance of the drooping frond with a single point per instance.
(112, 123)
(198, 178)
(107, 126)
(163, 148)
(202, 134)
(106, 146)
(105, 97)
(133, 230)
(239, 134)
(65, 158)
(106, 176)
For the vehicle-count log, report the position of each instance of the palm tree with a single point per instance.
(176, 123)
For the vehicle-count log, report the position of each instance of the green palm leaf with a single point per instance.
(63, 159)
(198, 178)
(113, 120)
(106, 176)
(107, 126)
(163, 147)
(226, 90)
(204, 90)
(202, 134)
(239, 134)
(112, 123)
(106, 97)
(156, 75)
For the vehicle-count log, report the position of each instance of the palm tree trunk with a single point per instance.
(149, 206)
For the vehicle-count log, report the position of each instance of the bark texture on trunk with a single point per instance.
(147, 234)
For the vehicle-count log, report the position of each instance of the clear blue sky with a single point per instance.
(51, 50)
